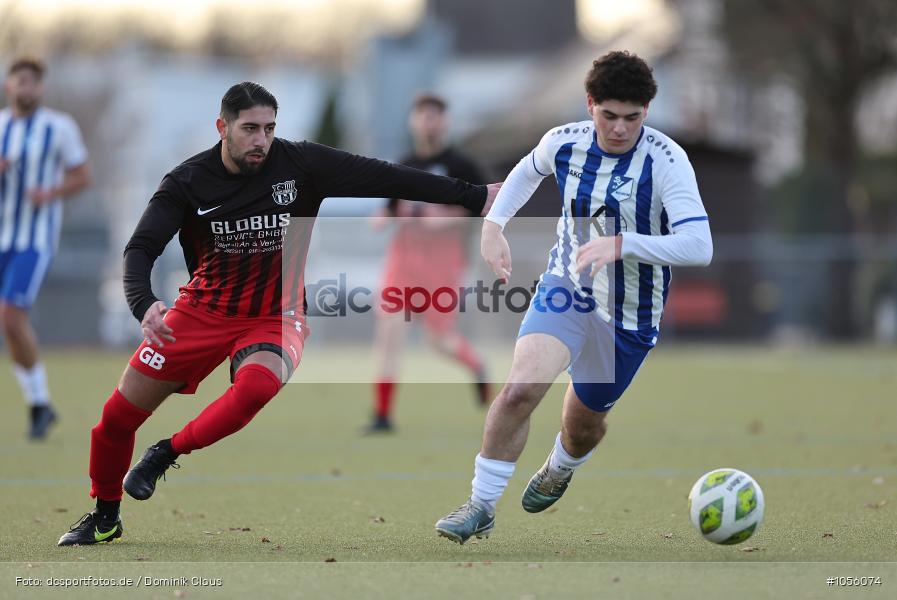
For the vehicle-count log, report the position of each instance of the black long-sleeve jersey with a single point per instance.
(245, 237)
(449, 162)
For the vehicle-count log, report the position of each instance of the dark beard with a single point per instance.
(244, 167)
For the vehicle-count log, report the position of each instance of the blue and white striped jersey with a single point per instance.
(649, 190)
(39, 148)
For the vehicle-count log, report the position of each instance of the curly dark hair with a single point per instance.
(621, 76)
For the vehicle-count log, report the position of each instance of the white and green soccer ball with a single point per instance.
(726, 506)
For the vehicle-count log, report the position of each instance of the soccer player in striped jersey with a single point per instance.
(42, 160)
(243, 211)
(630, 209)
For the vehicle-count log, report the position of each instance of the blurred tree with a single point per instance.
(832, 50)
(330, 132)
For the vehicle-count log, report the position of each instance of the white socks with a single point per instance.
(33, 382)
(490, 478)
(561, 461)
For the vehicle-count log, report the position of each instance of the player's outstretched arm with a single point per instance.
(155, 330)
(513, 192)
(495, 250)
(337, 174)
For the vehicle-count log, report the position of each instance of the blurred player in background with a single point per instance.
(429, 250)
(42, 160)
(243, 211)
(630, 210)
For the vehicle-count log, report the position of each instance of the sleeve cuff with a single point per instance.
(500, 221)
(141, 307)
(478, 199)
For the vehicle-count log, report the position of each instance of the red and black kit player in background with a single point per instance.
(235, 208)
(428, 250)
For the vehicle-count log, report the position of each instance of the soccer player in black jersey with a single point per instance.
(429, 251)
(236, 209)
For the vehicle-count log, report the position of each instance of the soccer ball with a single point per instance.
(726, 506)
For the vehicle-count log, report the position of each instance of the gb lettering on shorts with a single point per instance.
(152, 358)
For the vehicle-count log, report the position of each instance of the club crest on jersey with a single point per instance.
(284, 193)
(620, 187)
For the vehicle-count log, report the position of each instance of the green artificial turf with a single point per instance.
(299, 486)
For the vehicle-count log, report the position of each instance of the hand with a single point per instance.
(495, 250)
(491, 193)
(154, 327)
(41, 196)
(598, 253)
(4, 164)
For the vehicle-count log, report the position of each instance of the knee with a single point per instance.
(119, 418)
(601, 427)
(256, 385)
(10, 319)
(521, 395)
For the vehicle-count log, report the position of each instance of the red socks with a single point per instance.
(112, 444)
(112, 439)
(253, 387)
(384, 389)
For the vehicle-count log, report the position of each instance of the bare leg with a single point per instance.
(388, 344)
(23, 348)
(452, 344)
(145, 392)
(538, 360)
(581, 427)
(19, 335)
(581, 430)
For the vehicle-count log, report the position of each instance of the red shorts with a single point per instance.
(204, 340)
(428, 266)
